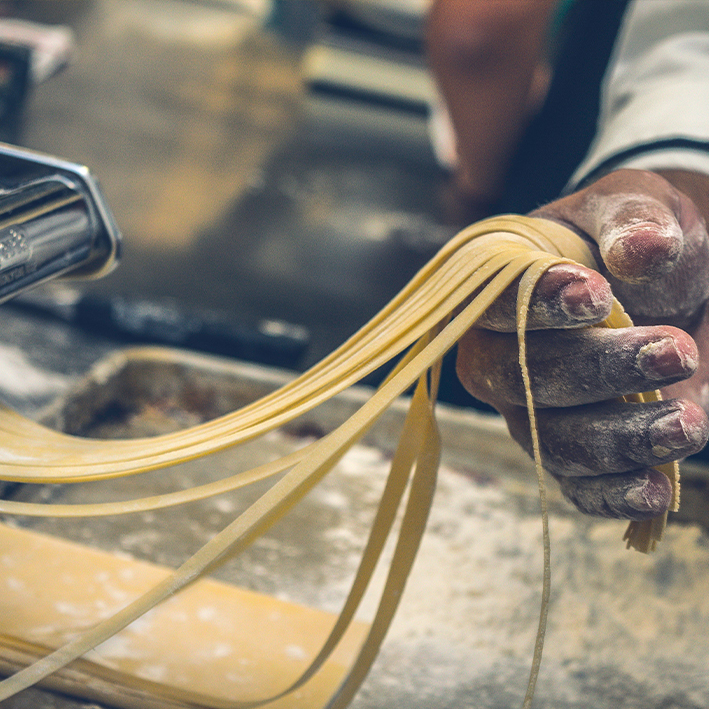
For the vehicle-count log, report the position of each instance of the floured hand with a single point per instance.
(653, 250)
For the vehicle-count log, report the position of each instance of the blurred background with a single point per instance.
(268, 162)
(270, 165)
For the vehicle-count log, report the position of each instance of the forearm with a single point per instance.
(486, 57)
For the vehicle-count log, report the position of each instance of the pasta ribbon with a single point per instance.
(418, 326)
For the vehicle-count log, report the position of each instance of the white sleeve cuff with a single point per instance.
(668, 159)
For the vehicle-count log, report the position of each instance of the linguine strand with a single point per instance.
(420, 325)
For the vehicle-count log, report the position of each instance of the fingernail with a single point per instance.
(662, 358)
(650, 496)
(640, 251)
(669, 434)
(638, 499)
(583, 303)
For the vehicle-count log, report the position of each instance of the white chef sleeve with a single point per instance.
(655, 95)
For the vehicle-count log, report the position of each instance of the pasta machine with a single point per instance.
(54, 222)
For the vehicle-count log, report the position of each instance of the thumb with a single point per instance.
(652, 241)
(634, 218)
(639, 237)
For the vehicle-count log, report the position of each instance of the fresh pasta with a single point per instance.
(418, 326)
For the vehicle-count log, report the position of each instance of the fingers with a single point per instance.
(654, 254)
(599, 449)
(653, 250)
(602, 455)
(639, 496)
(566, 296)
(574, 367)
(613, 437)
(633, 216)
(652, 241)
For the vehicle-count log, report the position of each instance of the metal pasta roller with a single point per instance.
(54, 222)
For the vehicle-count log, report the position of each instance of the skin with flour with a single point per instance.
(491, 63)
(649, 232)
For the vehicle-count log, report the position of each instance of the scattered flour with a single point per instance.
(20, 378)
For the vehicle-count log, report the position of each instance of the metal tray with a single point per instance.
(625, 630)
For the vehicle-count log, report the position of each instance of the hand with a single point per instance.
(653, 249)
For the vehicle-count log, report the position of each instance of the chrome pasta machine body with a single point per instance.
(54, 222)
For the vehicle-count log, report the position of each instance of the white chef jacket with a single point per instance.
(655, 94)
